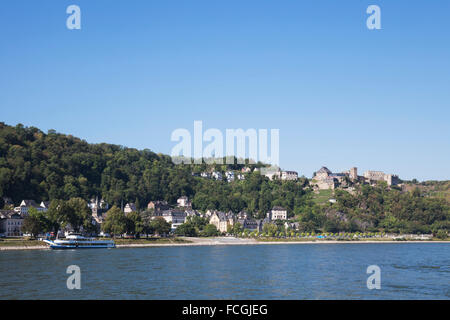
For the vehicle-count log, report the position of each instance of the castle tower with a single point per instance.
(354, 173)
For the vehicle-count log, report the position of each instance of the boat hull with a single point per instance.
(65, 246)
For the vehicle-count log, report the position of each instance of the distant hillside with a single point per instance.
(437, 189)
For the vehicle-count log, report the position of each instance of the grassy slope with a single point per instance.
(323, 196)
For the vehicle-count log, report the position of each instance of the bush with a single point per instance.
(187, 230)
(441, 234)
(210, 230)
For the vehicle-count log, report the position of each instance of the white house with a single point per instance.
(25, 205)
(129, 207)
(183, 202)
(272, 173)
(229, 175)
(289, 175)
(278, 213)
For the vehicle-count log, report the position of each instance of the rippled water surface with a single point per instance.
(312, 271)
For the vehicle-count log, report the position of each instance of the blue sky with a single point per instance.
(341, 95)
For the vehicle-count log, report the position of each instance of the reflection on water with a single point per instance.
(317, 271)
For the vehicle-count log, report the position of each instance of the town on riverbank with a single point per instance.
(163, 224)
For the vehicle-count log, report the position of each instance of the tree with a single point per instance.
(134, 224)
(236, 229)
(197, 222)
(146, 218)
(115, 222)
(34, 223)
(441, 234)
(161, 226)
(57, 215)
(270, 229)
(210, 230)
(78, 215)
(187, 230)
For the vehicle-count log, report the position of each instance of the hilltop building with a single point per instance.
(289, 175)
(217, 175)
(374, 176)
(241, 176)
(229, 175)
(183, 202)
(325, 179)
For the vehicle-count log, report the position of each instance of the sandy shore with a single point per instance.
(23, 248)
(230, 241)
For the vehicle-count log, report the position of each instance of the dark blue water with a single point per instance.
(313, 271)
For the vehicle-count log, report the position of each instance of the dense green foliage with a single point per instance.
(378, 209)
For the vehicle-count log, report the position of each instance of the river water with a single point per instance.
(292, 271)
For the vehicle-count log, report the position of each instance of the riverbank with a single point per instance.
(223, 241)
(27, 244)
(21, 244)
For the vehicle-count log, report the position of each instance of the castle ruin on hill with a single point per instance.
(325, 179)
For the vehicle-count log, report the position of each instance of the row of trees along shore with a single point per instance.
(58, 167)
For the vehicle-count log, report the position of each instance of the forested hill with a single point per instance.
(46, 166)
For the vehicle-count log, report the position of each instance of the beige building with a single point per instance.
(322, 174)
(353, 173)
(326, 184)
(325, 179)
(372, 176)
(183, 202)
(220, 220)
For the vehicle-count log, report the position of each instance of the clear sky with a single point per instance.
(341, 95)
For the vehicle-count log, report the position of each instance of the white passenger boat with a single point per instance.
(77, 241)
